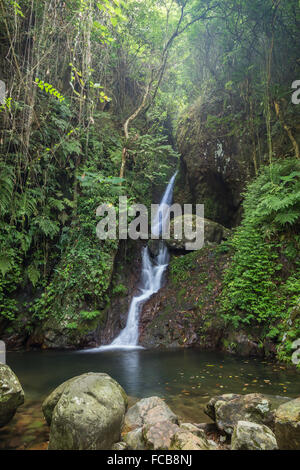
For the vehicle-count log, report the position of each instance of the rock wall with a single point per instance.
(215, 162)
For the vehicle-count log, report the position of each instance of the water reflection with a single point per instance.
(188, 377)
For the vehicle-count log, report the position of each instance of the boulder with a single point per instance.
(134, 439)
(149, 411)
(155, 427)
(120, 446)
(226, 410)
(193, 429)
(185, 440)
(252, 436)
(159, 435)
(287, 425)
(51, 401)
(214, 233)
(86, 413)
(238, 342)
(11, 394)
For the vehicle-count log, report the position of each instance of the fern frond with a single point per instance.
(47, 226)
(6, 187)
(33, 274)
(5, 263)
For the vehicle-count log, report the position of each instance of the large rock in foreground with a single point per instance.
(252, 436)
(11, 394)
(156, 427)
(287, 425)
(86, 413)
(226, 410)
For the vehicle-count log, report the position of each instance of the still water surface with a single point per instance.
(186, 379)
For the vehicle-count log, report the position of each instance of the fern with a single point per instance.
(56, 203)
(47, 226)
(33, 274)
(6, 187)
(5, 263)
(273, 199)
(27, 204)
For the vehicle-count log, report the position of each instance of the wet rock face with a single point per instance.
(287, 425)
(124, 286)
(227, 410)
(215, 164)
(85, 413)
(11, 394)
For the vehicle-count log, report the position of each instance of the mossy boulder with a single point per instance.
(213, 232)
(252, 436)
(11, 394)
(85, 413)
(242, 344)
(287, 425)
(134, 439)
(185, 440)
(226, 410)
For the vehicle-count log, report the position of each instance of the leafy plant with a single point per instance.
(48, 88)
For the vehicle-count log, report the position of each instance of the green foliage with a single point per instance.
(48, 88)
(251, 291)
(273, 199)
(90, 315)
(119, 289)
(181, 266)
(149, 163)
(262, 284)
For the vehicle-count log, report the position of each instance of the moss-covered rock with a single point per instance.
(252, 436)
(185, 440)
(86, 413)
(226, 410)
(287, 425)
(213, 232)
(11, 394)
(134, 439)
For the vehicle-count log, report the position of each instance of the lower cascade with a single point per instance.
(151, 277)
(151, 282)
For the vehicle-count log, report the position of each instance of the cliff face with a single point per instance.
(215, 161)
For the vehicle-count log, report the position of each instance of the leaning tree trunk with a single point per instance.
(126, 125)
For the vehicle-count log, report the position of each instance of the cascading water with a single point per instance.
(151, 276)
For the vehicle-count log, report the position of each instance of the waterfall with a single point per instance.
(163, 210)
(151, 276)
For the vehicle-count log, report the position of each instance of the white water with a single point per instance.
(151, 277)
(163, 210)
